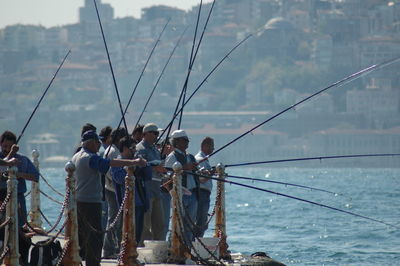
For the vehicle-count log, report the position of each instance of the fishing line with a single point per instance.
(283, 183)
(336, 84)
(300, 199)
(315, 158)
(159, 77)
(41, 98)
(110, 65)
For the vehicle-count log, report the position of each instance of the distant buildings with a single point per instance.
(337, 37)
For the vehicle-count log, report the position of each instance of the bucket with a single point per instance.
(211, 243)
(145, 255)
(159, 249)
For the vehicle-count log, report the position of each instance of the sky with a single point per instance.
(50, 13)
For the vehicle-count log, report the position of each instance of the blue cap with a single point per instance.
(90, 134)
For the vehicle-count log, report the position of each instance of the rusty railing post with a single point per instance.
(71, 257)
(34, 214)
(177, 254)
(129, 253)
(220, 219)
(11, 230)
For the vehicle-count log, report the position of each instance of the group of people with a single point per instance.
(100, 186)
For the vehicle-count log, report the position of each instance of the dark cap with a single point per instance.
(89, 135)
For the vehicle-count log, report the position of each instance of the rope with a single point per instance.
(50, 198)
(50, 186)
(6, 200)
(63, 253)
(45, 218)
(7, 221)
(5, 251)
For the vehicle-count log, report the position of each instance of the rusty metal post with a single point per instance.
(71, 227)
(177, 254)
(220, 219)
(128, 244)
(11, 231)
(34, 214)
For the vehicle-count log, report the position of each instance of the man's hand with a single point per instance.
(140, 162)
(159, 169)
(11, 162)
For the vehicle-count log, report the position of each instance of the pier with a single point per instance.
(177, 252)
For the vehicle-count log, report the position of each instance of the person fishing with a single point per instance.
(127, 148)
(190, 182)
(154, 218)
(89, 167)
(26, 171)
(113, 236)
(205, 188)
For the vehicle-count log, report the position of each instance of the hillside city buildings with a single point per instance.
(335, 37)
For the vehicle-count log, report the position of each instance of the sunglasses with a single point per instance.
(155, 132)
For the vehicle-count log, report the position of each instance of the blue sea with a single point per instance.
(299, 233)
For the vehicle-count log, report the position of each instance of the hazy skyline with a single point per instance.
(51, 13)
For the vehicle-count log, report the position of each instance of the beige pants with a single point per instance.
(153, 226)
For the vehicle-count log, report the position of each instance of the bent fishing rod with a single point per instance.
(183, 91)
(315, 158)
(142, 73)
(336, 84)
(41, 98)
(137, 83)
(110, 65)
(191, 63)
(203, 81)
(300, 199)
(159, 77)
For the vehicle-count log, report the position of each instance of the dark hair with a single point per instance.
(87, 127)
(138, 129)
(8, 135)
(207, 141)
(105, 132)
(117, 134)
(126, 141)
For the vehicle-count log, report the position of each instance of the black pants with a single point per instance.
(89, 230)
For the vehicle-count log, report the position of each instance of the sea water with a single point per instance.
(296, 232)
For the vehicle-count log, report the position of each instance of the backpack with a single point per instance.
(45, 255)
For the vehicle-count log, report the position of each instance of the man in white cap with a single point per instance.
(180, 141)
(153, 228)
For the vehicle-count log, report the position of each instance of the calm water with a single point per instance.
(298, 233)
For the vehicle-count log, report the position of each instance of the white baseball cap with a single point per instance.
(179, 134)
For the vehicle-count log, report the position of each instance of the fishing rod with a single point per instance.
(194, 58)
(141, 74)
(159, 77)
(190, 61)
(282, 183)
(41, 98)
(110, 65)
(314, 158)
(187, 75)
(204, 80)
(299, 199)
(336, 84)
(187, 80)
